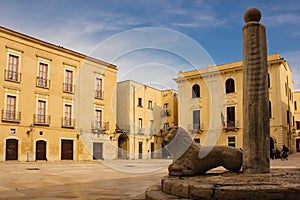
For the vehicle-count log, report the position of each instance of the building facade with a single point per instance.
(210, 104)
(296, 132)
(143, 114)
(56, 104)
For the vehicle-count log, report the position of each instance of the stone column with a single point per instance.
(256, 122)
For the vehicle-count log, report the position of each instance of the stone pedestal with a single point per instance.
(279, 184)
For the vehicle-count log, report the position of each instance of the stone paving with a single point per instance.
(111, 179)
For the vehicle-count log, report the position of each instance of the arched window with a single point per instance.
(196, 91)
(229, 86)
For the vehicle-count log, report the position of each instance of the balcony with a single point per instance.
(42, 82)
(196, 128)
(67, 122)
(122, 128)
(97, 127)
(42, 120)
(68, 88)
(10, 116)
(151, 132)
(140, 131)
(166, 113)
(231, 126)
(12, 76)
(99, 94)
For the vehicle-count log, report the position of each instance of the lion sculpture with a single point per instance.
(189, 158)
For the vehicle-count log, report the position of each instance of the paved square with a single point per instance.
(111, 179)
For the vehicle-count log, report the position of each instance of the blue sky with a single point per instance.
(81, 25)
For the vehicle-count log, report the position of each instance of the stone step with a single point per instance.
(155, 193)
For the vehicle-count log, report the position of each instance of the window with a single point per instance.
(293, 120)
(295, 105)
(166, 126)
(298, 125)
(151, 127)
(269, 83)
(42, 79)
(140, 102)
(196, 120)
(68, 85)
(231, 117)
(41, 112)
(13, 68)
(231, 141)
(166, 111)
(98, 118)
(12, 131)
(68, 116)
(196, 91)
(197, 140)
(286, 93)
(288, 117)
(140, 126)
(270, 109)
(11, 108)
(150, 105)
(98, 89)
(230, 86)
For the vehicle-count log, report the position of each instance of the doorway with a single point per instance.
(67, 149)
(140, 150)
(272, 146)
(165, 153)
(152, 150)
(40, 151)
(97, 151)
(11, 152)
(298, 144)
(123, 143)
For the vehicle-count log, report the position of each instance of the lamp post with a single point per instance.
(30, 133)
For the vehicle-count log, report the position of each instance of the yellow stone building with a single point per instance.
(143, 114)
(56, 104)
(210, 104)
(296, 133)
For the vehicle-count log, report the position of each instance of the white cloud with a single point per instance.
(282, 18)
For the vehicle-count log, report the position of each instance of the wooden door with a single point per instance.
(11, 149)
(40, 151)
(67, 149)
(97, 150)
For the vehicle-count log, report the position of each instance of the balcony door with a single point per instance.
(41, 115)
(11, 108)
(68, 115)
(13, 65)
(230, 116)
(196, 119)
(43, 75)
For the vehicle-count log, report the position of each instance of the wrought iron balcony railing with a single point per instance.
(123, 128)
(67, 122)
(98, 127)
(99, 94)
(43, 120)
(68, 88)
(196, 127)
(166, 113)
(12, 76)
(11, 116)
(42, 82)
(231, 126)
(140, 131)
